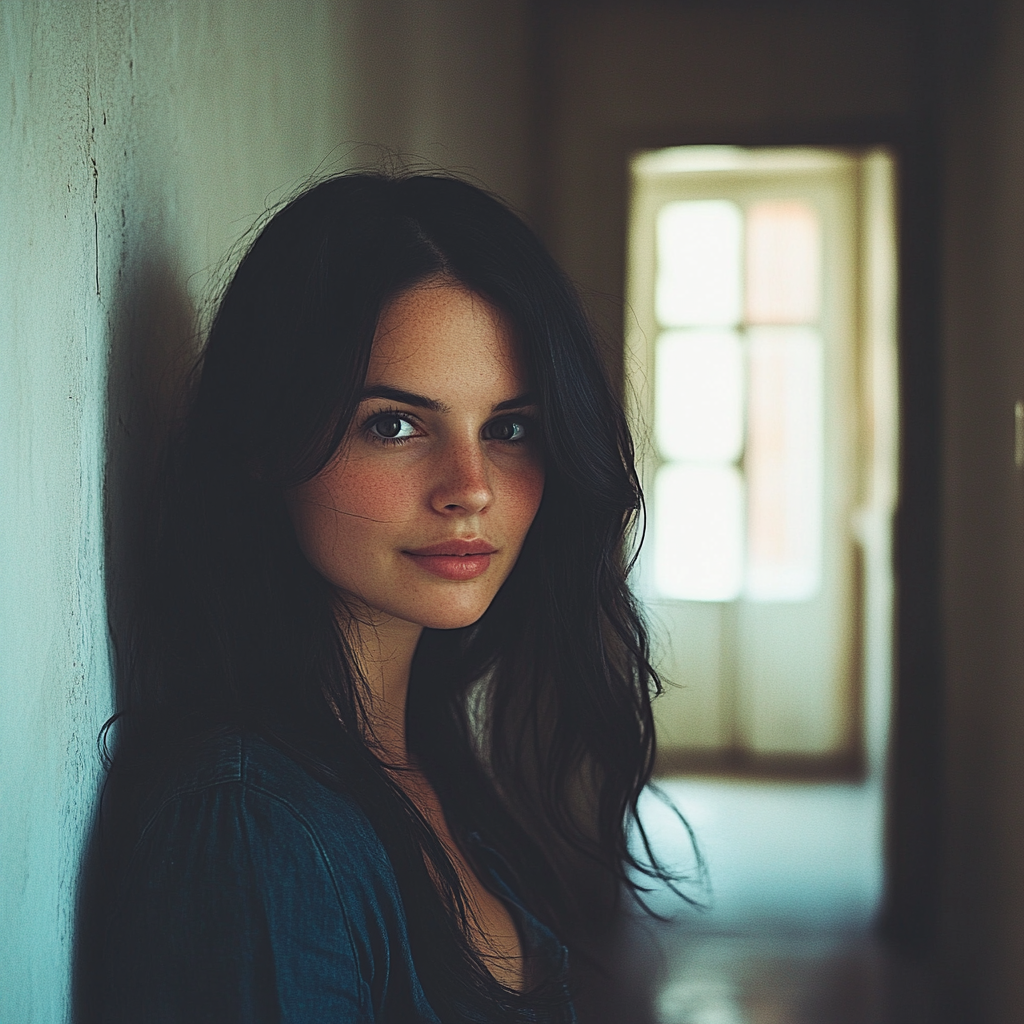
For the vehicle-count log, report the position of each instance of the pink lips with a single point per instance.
(455, 559)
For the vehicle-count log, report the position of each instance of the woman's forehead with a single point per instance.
(441, 332)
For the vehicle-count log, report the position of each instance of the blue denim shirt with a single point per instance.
(257, 894)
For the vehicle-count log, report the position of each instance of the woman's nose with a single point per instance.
(463, 484)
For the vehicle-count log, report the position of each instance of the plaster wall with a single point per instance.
(138, 142)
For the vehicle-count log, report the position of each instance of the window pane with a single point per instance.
(784, 464)
(699, 396)
(698, 281)
(783, 263)
(698, 532)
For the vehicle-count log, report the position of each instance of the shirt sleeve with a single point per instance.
(230, 910)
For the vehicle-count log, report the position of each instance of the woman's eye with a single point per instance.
(507, 430)
(392, 428)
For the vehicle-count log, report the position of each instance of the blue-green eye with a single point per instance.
(391, 427)
(510, 429)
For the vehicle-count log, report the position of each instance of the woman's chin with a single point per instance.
(452, 620)
(452, 611)
(450, 614)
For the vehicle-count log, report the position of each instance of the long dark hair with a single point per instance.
(534, 724)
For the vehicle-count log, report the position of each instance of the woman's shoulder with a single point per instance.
(246, 872)
(244, 761)
(237, 785)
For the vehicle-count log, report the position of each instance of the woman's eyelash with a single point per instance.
(526, 423)
(382, 416)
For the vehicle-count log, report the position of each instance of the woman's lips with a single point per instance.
(459, 560)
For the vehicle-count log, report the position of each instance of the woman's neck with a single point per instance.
(384, 649)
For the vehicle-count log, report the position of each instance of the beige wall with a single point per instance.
(983, 516)
(138, 141)
(442, 82)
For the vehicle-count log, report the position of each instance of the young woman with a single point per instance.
(389, 704)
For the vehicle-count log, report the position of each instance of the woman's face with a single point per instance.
(422, 513)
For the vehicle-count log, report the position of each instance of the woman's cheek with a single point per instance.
(377, 494)
(525, 490)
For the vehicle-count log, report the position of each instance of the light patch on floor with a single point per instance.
(802, 853)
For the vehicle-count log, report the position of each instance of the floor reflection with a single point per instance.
(788, 936)
(676, 973)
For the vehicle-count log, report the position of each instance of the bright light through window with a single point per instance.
(760, 369)
(699, 396)
(783, 263)
(699, 248)
(699, 532)
(738, 416)
(783, 464)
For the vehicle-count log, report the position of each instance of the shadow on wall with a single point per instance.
(153, 340)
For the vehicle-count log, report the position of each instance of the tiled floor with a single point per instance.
(795, 880)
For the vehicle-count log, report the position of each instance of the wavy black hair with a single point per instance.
(534, 723)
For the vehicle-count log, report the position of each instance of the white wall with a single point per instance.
(138, 141)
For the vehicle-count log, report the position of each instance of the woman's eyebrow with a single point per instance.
(516, 403)
(407, 397)
(422, 402)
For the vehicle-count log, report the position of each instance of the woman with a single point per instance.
(389, 702)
